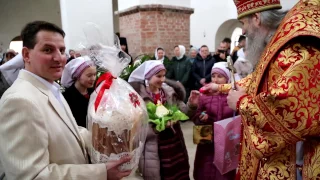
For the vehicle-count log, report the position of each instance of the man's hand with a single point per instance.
(234, 96)
(194, 98)
(113, 172)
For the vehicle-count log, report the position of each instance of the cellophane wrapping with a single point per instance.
(117, 116)
(118, 125)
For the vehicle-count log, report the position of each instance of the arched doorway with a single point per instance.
(16, 44)
(230, 29)
(237, 32)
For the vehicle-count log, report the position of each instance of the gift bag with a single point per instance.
(227, 144)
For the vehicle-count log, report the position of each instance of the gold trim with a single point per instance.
(272, 47)
(260, 9)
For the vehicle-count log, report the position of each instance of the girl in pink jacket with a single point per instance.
(211, 109)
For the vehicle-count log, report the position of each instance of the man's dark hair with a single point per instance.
(241, 38)
(30, 31)
(226, 40)
(175, 46)
(204, 46)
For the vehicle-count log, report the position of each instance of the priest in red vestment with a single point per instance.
(279, 102)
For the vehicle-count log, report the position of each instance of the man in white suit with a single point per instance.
(38, 134)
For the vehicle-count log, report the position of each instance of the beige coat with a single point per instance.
(39, 138)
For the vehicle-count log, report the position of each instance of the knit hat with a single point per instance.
(221, 68)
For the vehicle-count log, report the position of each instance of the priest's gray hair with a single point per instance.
(271, 19)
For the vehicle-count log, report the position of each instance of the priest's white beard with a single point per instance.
(257, 40)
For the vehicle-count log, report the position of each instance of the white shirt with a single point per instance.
(54, 87)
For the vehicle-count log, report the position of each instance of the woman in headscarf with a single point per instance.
(165, 155)
(78, 78)
(160, 55)
(181, 67)
(9, 55)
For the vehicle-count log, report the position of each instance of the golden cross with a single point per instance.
(232, 71)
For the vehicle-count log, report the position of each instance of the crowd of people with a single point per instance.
(43, 131)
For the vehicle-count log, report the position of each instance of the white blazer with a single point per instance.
(39, 139)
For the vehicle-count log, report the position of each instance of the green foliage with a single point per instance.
(174, 115)
(128, 70)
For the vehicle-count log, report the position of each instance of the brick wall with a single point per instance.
(150, 26)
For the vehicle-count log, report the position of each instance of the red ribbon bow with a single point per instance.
(107, 78)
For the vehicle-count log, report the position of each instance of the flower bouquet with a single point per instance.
(160, 114)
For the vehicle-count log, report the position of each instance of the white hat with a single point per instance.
(146, 70)
(221, 68)
(10, 70)
(74, 69)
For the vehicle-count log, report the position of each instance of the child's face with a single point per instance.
(218, 78)
(157, 79)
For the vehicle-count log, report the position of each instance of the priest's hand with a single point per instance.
(234, 96)
(113, 172)
(209, 89)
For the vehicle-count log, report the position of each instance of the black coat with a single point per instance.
(201, 68)
(218, 59)
(78, 104)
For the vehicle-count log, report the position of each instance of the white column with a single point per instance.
(76, 13)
